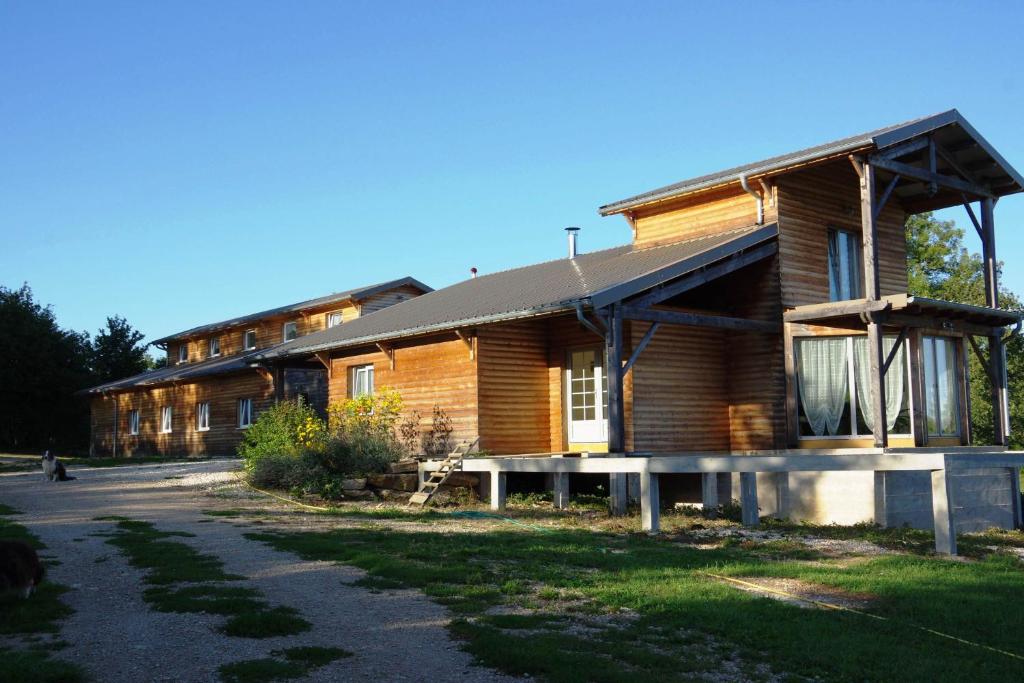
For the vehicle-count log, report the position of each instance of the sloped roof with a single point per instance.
(551, 287)
(351, 294)
(178, 373)
(1003, 177)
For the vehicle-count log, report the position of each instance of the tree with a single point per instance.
(117, 352)
(43, 367)
(939, 266)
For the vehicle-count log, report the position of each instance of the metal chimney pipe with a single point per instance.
(472, 272)
(572, 232)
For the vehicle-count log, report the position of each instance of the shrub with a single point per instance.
(281, 448)
(362, 434)
(437, 441)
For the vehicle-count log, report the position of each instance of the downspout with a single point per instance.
(586, 323)
(756, 195)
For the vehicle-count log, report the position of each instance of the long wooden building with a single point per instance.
(761, 308)
(210, 390)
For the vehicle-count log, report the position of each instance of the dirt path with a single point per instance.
(395, 635)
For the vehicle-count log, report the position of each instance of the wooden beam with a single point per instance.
(988, 245)
(974, 218)
(325, 359)
(701, 277)
(879, 429)
(929, 177)
(792, 402)
(951, 324)
(644, 341)
(933, 187)
(869, 235)
(885, 196)
(834, 309)
(902, 149)
(390, 353)
(981, 357)
(616, 407)
(469, 340)
(698, 320)
(948, 157)
(917, 419)
(894, 350)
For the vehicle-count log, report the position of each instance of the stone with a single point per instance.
(398, 482)
(406, 466)
(462, 480)
(394, 496)
(364, 494)
(353, 484)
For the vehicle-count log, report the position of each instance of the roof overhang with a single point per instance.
(966, 148)
(904, 310)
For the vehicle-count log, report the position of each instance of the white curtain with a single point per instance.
(893, 381)
(823, 375)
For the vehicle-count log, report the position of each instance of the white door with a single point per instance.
(587, 397)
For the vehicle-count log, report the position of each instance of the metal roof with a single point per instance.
(1003, 177)
(178, 373)
(551, 287)
(352, 294)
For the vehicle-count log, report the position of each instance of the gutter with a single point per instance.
(756, 195)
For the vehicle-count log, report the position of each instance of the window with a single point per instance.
(183, 352)
(202, 417)
(133, 421)
(362, 381)
(291, 331)
(166, 423)
(844, 270)
(333, 319)
(249, 340)
(214, 346)
(834, 388)
(244, 413)
(941, 400)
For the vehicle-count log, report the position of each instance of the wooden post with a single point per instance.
(618, 485)
(561, 490)
(918, 426)
(942, 511)
(872, 292)
(278, 384)
(650, 503)
(876, 353)
(497, 490)
(792, 401)
(997, 357)
(964, 393)
(113, 451)
(748, 499)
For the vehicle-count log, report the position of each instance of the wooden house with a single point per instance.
(210, 391)
(759, 309)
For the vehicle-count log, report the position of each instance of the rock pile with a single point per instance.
(400, 482)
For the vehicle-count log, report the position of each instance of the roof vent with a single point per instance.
(572, 232)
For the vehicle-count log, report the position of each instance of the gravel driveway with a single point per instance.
(395, 635)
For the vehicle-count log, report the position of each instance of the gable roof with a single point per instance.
(543, 288)
(1003, 178)
(351, 294)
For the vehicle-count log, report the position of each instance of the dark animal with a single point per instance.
(20, 568)
(54, 469)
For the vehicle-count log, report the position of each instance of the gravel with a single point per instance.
(396, 635)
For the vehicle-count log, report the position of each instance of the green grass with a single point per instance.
(25, 619)
(181, 578)
(652, 611)
(287, 664)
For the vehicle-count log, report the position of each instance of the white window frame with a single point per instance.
(284, 330)
(366, 372)
(166, 419)
(203, 416)
(851, 383)
(332, 316)
(133, 422)
(244, 413)
(214, 347)
(245, 340)
(182, 353)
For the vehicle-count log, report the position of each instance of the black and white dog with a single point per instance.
(53, 468)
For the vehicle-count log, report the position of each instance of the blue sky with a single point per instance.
(179, 163)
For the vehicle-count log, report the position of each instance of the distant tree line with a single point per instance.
(43, 367)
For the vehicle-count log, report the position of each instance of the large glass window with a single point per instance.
(844, 271)
(244, 413)
(942, 407)
(166, 423)
(834, 388)
(133, 421)
(202, 417)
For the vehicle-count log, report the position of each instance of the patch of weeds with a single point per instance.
(377, 583)
(41, 613)
(773, 550)
(111, 518)
(266, 623)
(295, 662)
(233, 512)
(535, 499)
(169, 562)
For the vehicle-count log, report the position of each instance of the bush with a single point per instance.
(362, 434)
(283, 448)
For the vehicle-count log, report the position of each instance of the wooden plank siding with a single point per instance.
(699, 215)
(431, 372)
(388, 298)
(812, 201)
(221, 439)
